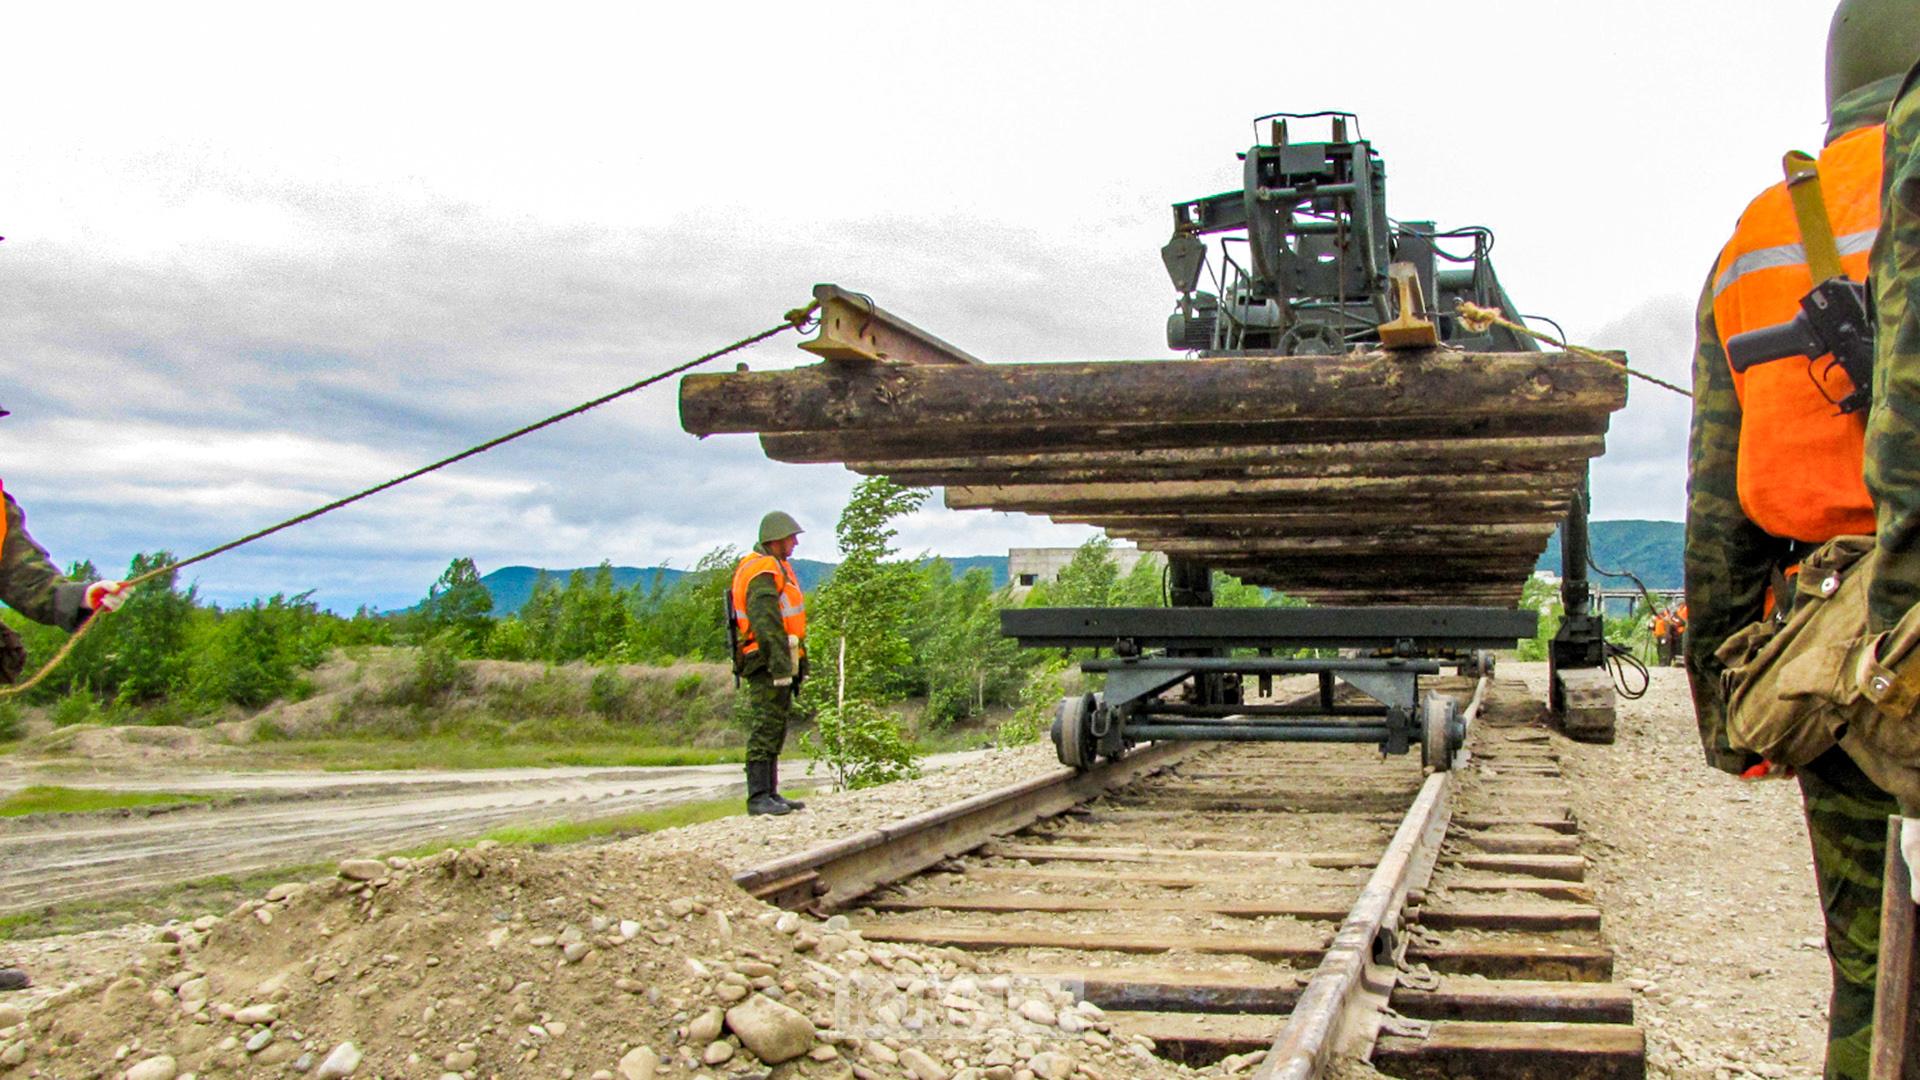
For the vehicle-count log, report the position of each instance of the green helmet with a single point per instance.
(778, 526)
(1870, 40)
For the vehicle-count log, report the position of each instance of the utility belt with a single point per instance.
(1796, 687)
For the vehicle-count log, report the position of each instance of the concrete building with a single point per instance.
(1027, 567)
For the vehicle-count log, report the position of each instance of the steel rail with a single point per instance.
(836, 874)
(1326, 1012)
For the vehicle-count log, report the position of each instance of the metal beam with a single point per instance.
(854, 328)
(1317, 627)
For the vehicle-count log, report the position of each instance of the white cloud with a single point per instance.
(257, 257)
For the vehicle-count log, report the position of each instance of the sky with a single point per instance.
(259, 256)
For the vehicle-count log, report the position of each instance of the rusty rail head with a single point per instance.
(1325, 1011)
(838, 873)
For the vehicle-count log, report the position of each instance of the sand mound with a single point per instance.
(133, 743)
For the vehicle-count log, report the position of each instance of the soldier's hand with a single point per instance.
(107, 595)
(1910, 851)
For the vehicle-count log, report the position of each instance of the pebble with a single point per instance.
(11, 1015)
(1039, 1012)
(774, 1032)
(1050, 1065)
(787, 923)
(460, 1060)
(629, 929)
(639, 1064)
(717, 1052)
(882, 1053)
(575, 951)
(706, 1027)
(921, 1066)
(162, 1067)
(259, 1040)
(360, 870)
(257, 1014)
(341, 1063)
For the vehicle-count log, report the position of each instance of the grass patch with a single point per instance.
(49, 799)
(637, 823)
(215, 895)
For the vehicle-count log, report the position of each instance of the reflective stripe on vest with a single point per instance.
(793, 603)
(1799, 464)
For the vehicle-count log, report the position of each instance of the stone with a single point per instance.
(629, 929)
(361, 870)
(259, 1040)
(717, 1052)
(1039, 1012)
(162, 1067)
(1071, 1023)
(460, 1060)
(575, 951)
(257, 1014)
(11, 1015)
(706, 1027)
(882, 1053)
(1050, 1065)
(774, 1032)
(639, 1064)
(921, 1066)
(730, 993)
(787, 923)
(345, 1057)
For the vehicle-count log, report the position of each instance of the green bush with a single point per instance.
(688, 685)
(79, 707)
(608, 694)
(860, 745)
(436, 675)
(13, 723)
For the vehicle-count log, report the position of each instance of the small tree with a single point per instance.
(459, 604)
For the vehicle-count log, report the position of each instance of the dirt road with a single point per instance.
(294, 818)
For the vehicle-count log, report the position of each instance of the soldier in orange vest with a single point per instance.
(1776, 467)
(767, 622)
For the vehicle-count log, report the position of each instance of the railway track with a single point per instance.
(1276, 906)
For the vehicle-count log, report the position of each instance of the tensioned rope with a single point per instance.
(1477, 319)
(796, 319)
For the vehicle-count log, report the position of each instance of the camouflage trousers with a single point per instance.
(763, 709)
(1847, 821)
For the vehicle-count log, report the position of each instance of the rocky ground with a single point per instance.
(640, 958)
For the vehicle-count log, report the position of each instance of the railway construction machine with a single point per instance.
(1335, 432)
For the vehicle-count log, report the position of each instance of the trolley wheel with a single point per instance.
(1439, 734)
(1073, 731)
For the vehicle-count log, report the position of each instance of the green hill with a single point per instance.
(1651, 549)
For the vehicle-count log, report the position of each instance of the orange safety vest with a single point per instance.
(793, 603)
(1800, 465)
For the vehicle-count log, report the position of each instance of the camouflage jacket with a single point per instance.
(1893, 427)
(30, 584)
(1729, 559)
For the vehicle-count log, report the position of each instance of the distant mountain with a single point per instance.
(512, 586)
(1650, 549)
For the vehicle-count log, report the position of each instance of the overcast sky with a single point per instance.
(263, 255)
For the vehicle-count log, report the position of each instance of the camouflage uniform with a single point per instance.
(1729, 562)
(761, 707)
(1893, 427)
(29, 583)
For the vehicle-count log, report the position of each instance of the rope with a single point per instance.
(1478, 320)
(797, 319)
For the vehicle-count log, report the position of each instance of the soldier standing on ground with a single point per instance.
(767, 619)
(30, 585)
(1776, 471)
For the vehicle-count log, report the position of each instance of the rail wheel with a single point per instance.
(1440, 734)
(1073, 731)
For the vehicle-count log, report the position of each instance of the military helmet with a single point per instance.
(1868, 41)
(778, 526)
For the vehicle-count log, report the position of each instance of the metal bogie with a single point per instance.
(1443, 732)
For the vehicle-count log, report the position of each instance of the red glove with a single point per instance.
(107, 595)
(1767, 769)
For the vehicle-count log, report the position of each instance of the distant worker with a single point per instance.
(1776, 472)
(1676, 636)
(1657, 627)
(767, 621)
(30, 585)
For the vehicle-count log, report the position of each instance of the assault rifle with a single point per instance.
(1835, 320)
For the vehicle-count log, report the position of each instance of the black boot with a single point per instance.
(792, 804)
(760, 796)
(12, 978)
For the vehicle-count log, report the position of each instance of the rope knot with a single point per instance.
(800, 316)
(1476, 319)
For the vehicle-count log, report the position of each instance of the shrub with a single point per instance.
(78, 707)
(13, 723)
(860, 745)
(608, 694)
